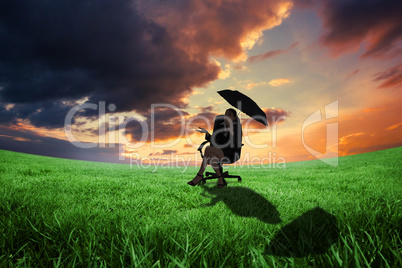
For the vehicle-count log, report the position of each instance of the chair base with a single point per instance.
(213, 175)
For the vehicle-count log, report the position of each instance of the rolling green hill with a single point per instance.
(59, 212)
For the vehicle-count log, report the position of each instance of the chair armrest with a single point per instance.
(202, 146)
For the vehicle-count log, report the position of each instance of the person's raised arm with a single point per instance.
(207, 135)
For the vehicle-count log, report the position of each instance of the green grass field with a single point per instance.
(59, 212)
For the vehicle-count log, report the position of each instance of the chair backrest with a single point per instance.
(238, 139)
(218, 137)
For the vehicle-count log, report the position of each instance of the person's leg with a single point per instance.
(215, 155)
(203, 166)
(211, 154)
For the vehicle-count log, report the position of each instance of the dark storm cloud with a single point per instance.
(169, 124)
(377, 23)
(49, 114)
(124, 52)
(7, 116)
(26, 141)
(66, 50)
(130, 53)
(163, 124)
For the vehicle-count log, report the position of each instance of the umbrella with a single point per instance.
(244, 104)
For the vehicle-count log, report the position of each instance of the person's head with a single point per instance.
(231, 113)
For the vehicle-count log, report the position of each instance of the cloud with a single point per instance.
(165, 152)
(362, 131)
(207, 109)
(350, 138)
(27, 141)
(348, 24)
(223, 74)
(279, 82)
(305, 3)
(271, 54)
(353, 73)
(376, 109)
(394, 126)
(188, 153)
(130, 53)
(361, 143)
(239, 67)
(392, 77)
(274, 117)
(248, 84)
(224, 28)
(15, 138)
(204, 119)
(169, 124)
(359, 132)
(7, 116)
(163, 124)
(49, 114)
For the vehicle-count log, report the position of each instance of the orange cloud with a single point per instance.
(374, 109)
(248, 84)
(346, 139)
(394, 126)
(375, 128)
(219, 28)
(279, 82)
(274, 82)
(368, 130)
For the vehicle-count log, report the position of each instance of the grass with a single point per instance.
(59, 212)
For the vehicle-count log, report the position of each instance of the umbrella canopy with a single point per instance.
(244, 104)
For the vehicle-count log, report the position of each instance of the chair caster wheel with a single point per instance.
(239, 179)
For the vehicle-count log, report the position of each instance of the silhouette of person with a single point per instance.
(225, 145)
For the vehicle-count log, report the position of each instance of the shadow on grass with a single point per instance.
(313, 233)
(244, 202)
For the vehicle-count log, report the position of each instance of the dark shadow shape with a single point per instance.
(314, 232)
(244, 202)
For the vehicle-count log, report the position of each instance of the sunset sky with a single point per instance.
(292, 57)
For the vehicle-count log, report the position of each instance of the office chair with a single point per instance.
(218, 124)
